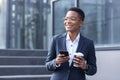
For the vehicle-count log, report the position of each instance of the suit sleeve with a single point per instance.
(91, 60)
(50, 60)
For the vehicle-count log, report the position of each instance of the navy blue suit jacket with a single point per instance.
(66, 72)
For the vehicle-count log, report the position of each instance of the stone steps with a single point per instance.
(22, 60)
(23, 65)
(26, 77)
(22, 52)
(23, 70)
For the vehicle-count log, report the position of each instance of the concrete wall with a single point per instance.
(108, 63)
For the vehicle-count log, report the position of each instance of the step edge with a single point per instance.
(22, 66)
(25, 76)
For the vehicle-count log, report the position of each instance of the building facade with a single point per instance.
(30, 24)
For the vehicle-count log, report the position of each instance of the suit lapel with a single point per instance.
(80, 44)
(62, 42)
(62, 45)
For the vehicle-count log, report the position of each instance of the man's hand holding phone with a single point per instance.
(62, 57)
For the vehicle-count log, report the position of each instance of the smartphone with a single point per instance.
(64, 52)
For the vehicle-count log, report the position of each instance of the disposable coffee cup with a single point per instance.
(78, 54)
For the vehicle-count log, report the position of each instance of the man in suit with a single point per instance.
(71, 41)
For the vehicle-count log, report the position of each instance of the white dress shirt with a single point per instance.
(72, 46)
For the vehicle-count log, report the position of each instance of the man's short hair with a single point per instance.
(79, 11)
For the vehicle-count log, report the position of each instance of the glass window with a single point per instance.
(102, 21)
(27, 25)
(3, 24)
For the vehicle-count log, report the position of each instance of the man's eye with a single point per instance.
(73, 19)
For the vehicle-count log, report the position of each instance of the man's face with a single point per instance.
(72, 22)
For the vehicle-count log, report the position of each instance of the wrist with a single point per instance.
(57, 65)
(86, 67)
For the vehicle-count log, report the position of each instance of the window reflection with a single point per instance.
(27, 24)
(27, 28)
(102, 21)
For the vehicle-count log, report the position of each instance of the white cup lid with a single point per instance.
(79, 54)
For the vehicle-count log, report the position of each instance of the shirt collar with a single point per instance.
(77, 38)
